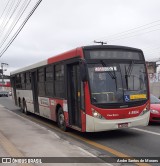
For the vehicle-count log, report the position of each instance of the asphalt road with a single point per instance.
(134, 142)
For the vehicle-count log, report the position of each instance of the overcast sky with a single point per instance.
(61, 25)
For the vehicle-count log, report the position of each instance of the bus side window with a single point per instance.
(23, 80)
(59, 81)
(49, 81)
(28, 80)
(41, 87)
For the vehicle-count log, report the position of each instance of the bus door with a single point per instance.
(73, 83)
(35, 91)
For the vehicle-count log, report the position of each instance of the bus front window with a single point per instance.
(105, 83)
(117, 83)
(135, 81)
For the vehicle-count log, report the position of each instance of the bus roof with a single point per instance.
(53, 59)
(110, 47)
(71, 54)
(33, 66)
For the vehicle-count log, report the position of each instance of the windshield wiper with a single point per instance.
(112, 74)
(128, 72)
(126, 77)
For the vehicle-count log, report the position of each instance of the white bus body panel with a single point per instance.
(95, 124)
(44, 107)
(33, 66)
(44, 104)
(28, 96)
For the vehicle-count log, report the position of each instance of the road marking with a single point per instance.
(92, 155)
(97, 145)
(146, 131)
(11, 149)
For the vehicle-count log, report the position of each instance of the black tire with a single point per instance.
(61, 120)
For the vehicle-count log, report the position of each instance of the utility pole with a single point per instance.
(2, 72)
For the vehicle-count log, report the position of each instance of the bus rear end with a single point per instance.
(116, 88)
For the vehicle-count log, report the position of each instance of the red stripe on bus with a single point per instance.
(67, 55)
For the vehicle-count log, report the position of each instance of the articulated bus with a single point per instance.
(90, 88)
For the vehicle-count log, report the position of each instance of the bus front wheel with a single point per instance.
(61, 120)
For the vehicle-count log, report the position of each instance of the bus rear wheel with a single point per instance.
(61, 120)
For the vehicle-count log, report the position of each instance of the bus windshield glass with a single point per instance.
(117, 82)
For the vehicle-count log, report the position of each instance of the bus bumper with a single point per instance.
(95, 124)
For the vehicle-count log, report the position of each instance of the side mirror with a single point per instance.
(83, 70)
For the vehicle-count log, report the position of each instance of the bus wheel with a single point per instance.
(61, 120)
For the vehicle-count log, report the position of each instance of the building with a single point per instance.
(5, 84)
(154, 78)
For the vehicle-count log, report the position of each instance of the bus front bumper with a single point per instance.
(95, 124)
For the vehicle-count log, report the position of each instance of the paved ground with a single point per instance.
(135, 142)
(20, 137)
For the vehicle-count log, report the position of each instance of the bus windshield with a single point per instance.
(117, 82)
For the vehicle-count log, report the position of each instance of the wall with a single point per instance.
(155, 88)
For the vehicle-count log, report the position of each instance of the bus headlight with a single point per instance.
(96, 114)
(146, 109)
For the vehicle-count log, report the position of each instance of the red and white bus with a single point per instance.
(90, 88)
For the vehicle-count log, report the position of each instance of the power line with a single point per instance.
(136, 35)
(23, 8)
(12, 13)
(4, 9)
(7, 14)
(20, 28)
(130, 30)
(127, 34)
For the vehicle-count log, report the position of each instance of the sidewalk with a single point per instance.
(20, 137)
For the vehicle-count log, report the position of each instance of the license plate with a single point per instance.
(122, 125)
